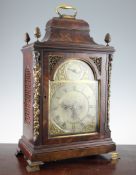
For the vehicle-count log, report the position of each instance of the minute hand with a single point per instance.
(74, 71)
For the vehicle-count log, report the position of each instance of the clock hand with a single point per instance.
(74, 112)
(71, 107)
(65, 107)
(73, 70)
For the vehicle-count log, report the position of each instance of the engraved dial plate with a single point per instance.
(73, 107)
(74, 70)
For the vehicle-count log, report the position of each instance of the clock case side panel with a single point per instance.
(30, 57)
(27, 95)
(108, 68)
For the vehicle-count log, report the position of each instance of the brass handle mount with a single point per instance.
(66, 7)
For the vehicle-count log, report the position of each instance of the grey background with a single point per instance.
(118, 17)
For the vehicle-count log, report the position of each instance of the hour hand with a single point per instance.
(64, 106)
(73, 70)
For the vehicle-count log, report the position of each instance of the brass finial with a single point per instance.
(37, 33)
(26, 37)
(107, 39)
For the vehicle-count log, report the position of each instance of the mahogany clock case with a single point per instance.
(65, 39)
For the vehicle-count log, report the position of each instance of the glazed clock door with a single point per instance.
(73, 100)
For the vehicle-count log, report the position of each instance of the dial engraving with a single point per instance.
(74, 70)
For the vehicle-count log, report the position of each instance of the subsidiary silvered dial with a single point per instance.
(73, 107)
(74, 70)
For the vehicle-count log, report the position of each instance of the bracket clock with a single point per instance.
(66, 93)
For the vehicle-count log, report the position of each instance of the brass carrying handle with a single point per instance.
(66, 7)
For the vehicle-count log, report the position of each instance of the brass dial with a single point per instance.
(73, 107)
(73, 100)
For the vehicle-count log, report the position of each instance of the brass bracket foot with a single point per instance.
(18, 153)
(33, 166)
(115, 156)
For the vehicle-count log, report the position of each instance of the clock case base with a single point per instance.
(66, 151)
